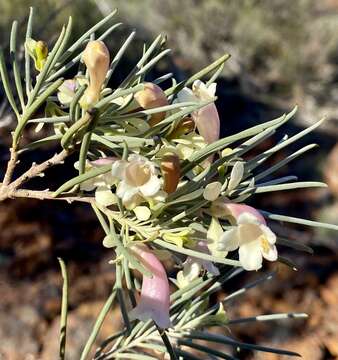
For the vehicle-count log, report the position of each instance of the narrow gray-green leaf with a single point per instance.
(300, 221)
(81, 178)
(16, 69)
(6, 84)
(196, 254)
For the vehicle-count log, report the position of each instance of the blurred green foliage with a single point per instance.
(50, 15)
(278, 46)
(279, 43)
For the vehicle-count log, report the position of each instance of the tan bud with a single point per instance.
(96, 58)
(171, 171)
(152, 96)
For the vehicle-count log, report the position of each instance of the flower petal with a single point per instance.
(244, 213)
(212, 89)
(125, 192)
(151, 187)
(250, 256)
(155, 296)
(236, 175)
(118, 169)
(142, 213)
(229, 240)
(214, 235)
(104, 196)
(249, 233)
(272, 254)
(212, 191)
(208, 123)
(186, 95)
(270, 236)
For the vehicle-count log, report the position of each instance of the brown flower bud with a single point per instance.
(171, 171)
(152, 96)
(96, 58)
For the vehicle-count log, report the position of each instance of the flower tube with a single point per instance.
(155, 296)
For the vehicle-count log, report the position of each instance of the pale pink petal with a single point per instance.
(70, 84)
(155, 296)
(104, 161)
(208, 123)
(236, 210)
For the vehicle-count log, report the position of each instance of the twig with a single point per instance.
(10, 168)
(37, 169)
(48, 195)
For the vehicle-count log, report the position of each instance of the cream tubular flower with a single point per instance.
(96, 58)
(138, 180)
(155, 295)
(206, 118)
(251, 235)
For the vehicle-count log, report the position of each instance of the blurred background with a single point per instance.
(283, 53)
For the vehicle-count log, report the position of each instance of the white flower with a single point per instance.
(101, 183)
(66, 91)
(206, 118)
(138, 180)
(193, 266)
(251, 235)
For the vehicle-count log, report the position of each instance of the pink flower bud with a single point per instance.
(152, 96)
(155, 296)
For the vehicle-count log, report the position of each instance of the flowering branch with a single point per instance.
(163, 185)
